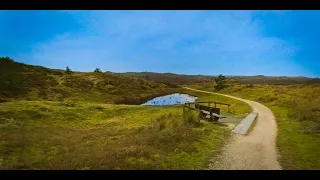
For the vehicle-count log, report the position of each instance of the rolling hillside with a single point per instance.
(174, 80)
(19, 81)
(276, 80)
(170, 79)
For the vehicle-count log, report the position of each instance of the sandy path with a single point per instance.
(256, 151)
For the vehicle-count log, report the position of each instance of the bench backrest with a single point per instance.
(207, 108)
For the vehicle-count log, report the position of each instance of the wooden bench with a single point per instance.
(214, 113)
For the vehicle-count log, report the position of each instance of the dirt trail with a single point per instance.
(256, 151)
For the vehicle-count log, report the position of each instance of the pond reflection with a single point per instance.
(170, 100)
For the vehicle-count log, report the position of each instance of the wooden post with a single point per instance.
(184, 110)
(209, 104)
(228, 109)
(199, 116)
(184, 113)
(215, 104)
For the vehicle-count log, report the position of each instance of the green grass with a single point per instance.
(297, 141)
(74, 135)
(297, 112)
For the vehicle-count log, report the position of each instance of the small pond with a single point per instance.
(170, 100)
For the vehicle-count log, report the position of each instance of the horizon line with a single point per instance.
(123, 72)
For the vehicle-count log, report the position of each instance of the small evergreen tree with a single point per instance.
(68, 70)
(6, 58)
(97, 70)
(220, 82)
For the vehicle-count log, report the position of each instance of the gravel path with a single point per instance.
(256, 151)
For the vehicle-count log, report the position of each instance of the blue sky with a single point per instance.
(185, 42)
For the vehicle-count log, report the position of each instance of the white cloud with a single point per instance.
(154, 40)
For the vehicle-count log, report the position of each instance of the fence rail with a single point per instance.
(209, 102)
(213, 112)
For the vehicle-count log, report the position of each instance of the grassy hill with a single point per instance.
(170, 79)
(274, 80)
(19, 81)
(174, 80)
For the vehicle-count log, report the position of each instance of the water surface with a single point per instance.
(170, 100)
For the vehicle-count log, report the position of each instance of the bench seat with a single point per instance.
(213, 114)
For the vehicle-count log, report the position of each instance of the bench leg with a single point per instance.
(199, 116)
(213, 118)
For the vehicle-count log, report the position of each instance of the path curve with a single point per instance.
(256, 151)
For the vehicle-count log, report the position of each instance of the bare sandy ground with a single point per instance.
(256, 151)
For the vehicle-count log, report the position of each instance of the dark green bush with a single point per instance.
(220, 82)
(68, 70)
(97, 70)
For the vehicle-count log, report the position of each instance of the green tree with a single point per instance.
(68, 70)
(6, 58)
(97, 70)
(220, 82)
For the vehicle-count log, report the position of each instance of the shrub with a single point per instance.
(162, 124)
(189, 117)
(304, 110)
(100, 108)
(220, 82)
(268, 98)
(175, 123)
(97, 70)
(130, 101)
(68, 70)
(57, 73)
(79, 83)
(2, 100)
